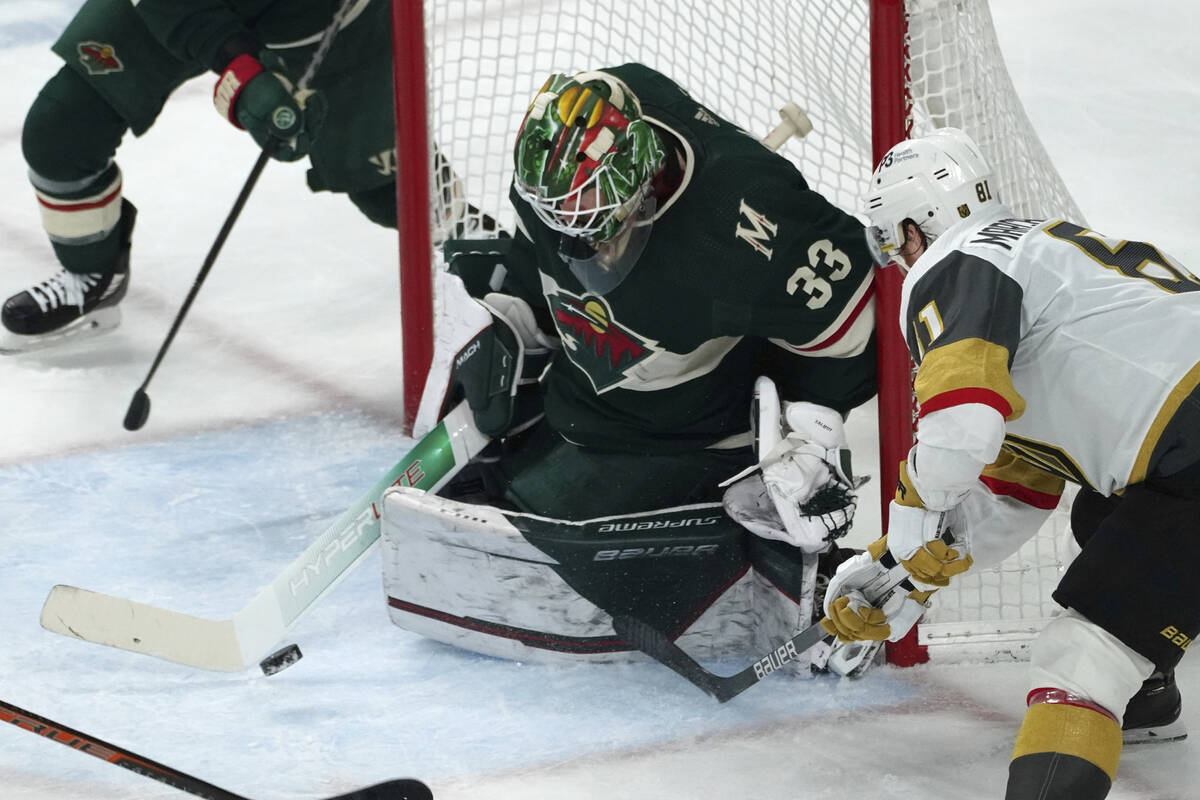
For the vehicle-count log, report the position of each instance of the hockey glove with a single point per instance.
(499, 376)
(257, 96)
(917, 538)
(866, 601)
(805, 494)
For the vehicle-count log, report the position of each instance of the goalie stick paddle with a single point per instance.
(243, 640)
(656, 645)
(659, 646)
(400, 789)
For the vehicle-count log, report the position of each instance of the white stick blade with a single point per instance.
(139, 628)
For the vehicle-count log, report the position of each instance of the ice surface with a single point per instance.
(277, 406)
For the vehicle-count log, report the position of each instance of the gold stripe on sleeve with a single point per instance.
(968, 364)
(1141, 465)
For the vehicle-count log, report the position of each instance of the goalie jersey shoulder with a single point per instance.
(781, 261)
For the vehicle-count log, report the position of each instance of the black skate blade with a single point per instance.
(1156, 734)
(88, 326)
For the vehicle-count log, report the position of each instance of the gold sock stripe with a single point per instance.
(1071, 730)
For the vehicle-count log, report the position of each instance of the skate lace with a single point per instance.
(63, 288)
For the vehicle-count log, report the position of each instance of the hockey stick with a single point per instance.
(400, 789)
(659, 646)
(241, 641)
(139, 405)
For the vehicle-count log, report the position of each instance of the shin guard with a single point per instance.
(1067, 749)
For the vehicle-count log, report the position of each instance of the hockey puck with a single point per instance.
(281, 659)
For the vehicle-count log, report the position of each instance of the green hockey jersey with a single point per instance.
(743, 257)
(135, 56)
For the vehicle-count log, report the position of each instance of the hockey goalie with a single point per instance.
(663, 260)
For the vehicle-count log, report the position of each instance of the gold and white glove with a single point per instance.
(868, 601)
(918, 538)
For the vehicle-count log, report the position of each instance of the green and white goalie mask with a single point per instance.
(602, 267)
(584, 161)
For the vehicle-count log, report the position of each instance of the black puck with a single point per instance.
(281, 659)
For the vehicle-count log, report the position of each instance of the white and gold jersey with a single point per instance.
(1086, 345)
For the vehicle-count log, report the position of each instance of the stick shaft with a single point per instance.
(113, 754)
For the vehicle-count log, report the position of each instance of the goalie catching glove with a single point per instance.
(803, 491)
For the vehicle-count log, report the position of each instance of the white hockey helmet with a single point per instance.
(936, 181)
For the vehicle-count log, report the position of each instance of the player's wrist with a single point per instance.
(243, 43)
(234, 78)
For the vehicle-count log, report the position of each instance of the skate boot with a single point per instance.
(1153, 713)
(68, 305)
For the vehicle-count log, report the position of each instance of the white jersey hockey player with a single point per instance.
(1046, 352)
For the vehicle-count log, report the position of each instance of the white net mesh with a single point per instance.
(487, 58)
(958, 79)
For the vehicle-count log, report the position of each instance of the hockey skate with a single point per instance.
(1153, 713)
(68, 306)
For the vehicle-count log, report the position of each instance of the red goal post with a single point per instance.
(868, 72)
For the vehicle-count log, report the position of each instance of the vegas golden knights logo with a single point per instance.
(760, 232)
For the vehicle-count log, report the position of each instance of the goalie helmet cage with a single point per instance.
(868, 72)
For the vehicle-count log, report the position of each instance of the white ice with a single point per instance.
(277, 406)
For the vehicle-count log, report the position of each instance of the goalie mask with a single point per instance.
(936, 181)
(584, 161)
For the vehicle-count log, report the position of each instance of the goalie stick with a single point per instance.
(659, 646)
(400, 789)
(242, 641)
(236, 643)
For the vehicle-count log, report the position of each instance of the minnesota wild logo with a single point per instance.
(99, 58)
(595, 342)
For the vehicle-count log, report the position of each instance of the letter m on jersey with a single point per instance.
(761, 229)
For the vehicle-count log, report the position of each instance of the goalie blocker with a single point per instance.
(528, 588)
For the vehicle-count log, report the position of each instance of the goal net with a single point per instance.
(867, 72)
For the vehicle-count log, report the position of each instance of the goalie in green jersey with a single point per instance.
(663, 260)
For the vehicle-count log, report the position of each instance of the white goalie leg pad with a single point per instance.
(777, 617)
(464, 575)
(454, 571)
(460, 319)
(1074, 654)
